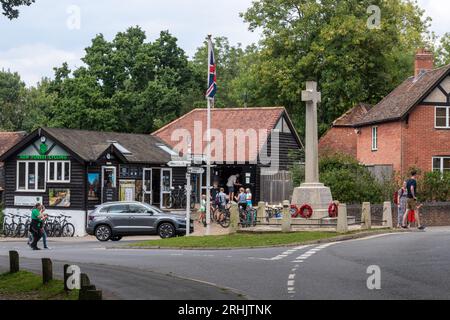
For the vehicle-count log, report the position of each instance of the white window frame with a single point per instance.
(447, 126)
(441, 165)
(55, 172)
(27, 189)
(375, 138)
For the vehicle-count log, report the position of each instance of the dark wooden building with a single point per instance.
(7, 140)
(72, 171)
(260, 144)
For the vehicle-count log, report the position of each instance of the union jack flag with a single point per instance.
(212, 77)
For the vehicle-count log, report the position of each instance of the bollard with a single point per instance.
(387, 215)
(366, 216)
(90, 295)
(84, 281)
(47, 270)
(286, 222)
(234, 218)
(66, 277)
(342, 222)
(13, 262)
(261, 212)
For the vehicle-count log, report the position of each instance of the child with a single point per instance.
(249, 198)
(202, 218)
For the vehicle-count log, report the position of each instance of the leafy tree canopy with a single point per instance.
(127, 84)
(329, 41)
(10, 7)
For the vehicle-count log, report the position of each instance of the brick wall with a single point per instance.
(422, 141)
(389, 145)
(436, 214)
(339, 139)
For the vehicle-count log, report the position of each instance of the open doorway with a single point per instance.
(156, 187)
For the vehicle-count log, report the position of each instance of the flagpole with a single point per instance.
(208, 153)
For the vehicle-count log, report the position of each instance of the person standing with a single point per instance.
(232, 184)
(411, 204)
(36, 225)
(401, 200)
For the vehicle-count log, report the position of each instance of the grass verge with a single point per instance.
(28, 286)
(250, 240)
(237, 240)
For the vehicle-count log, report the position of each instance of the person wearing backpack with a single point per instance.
(402, 198)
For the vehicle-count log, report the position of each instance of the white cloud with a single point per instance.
(35, 61)
(438, 10)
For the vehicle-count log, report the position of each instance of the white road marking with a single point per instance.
(292, 276)
(291, 283)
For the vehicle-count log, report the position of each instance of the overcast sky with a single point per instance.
(47, 33)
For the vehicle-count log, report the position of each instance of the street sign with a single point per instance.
(174, 164)
(196, 170)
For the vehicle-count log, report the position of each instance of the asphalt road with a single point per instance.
(413, 266)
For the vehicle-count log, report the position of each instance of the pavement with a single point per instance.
(412, 265)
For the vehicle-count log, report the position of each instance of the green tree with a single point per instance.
(443, 50)
(10, 7)
(12, 101)
(329, 41)
(228, 59)
(127, 84)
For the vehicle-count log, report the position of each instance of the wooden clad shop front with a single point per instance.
(72, 171)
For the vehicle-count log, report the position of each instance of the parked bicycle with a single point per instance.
(178, 199)
(248, 217)
(6, 230)
(274, 212)
(59, 226)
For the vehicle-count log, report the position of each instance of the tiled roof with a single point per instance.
(90, 145)
(223, 119)
(406, 96)
(352, 116)
(9, 139)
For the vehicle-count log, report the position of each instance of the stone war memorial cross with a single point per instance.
(312, 192)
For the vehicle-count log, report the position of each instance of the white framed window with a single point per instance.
(374, 138)
(441, 164)
(31, 176)
(58, 172)
(442, 117)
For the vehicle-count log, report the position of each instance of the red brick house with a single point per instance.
(410, 127)
(342, 135)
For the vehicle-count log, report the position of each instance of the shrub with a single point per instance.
(434, 186)
(349, 181)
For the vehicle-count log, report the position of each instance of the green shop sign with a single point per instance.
(43, 157)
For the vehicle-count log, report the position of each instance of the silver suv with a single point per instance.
(113, 220)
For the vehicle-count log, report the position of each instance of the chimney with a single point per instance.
(424, 62)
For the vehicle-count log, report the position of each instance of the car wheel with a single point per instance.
(103, 233)
(116, 238)
(166, 230)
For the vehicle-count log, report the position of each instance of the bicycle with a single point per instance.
(52, 227)
(21, 229)
(224, 217)
(68, 229)
(178, 199)
(6, 230)
(273, 212)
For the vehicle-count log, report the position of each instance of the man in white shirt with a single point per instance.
(232, 184)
